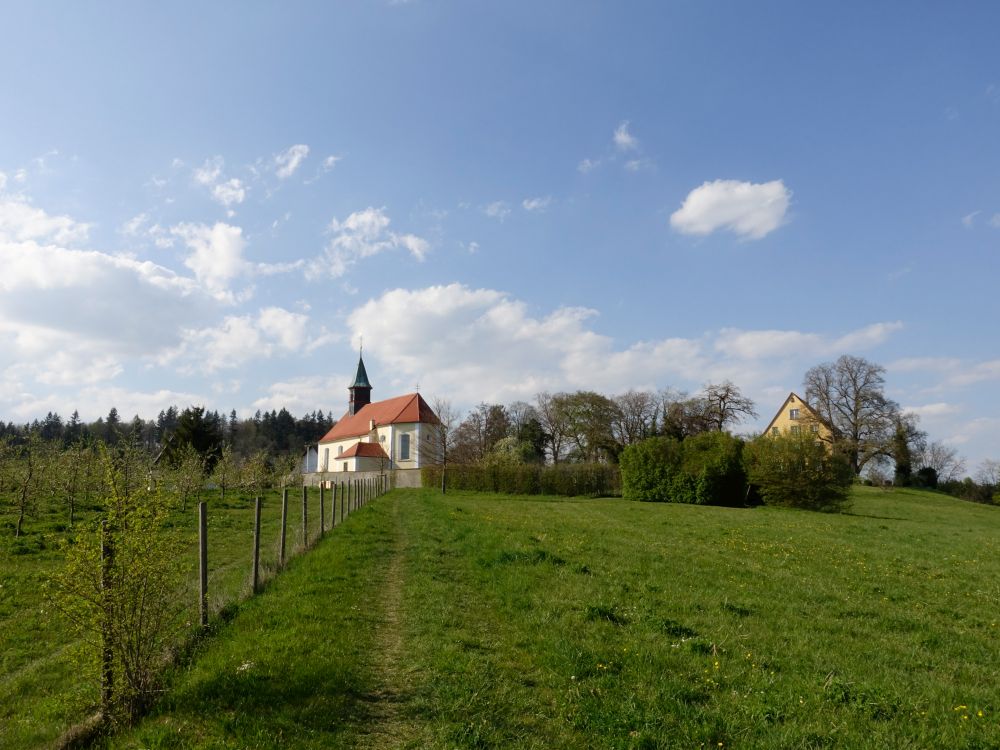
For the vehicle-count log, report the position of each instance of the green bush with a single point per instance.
(594, 480)
(797, 471)
(705, 469)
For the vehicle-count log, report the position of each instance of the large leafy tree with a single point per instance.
(849, 397)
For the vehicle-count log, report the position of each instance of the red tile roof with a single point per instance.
(364, 450)
(408, 408)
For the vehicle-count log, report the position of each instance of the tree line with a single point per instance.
(276, 432)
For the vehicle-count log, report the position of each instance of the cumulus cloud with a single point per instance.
(362, 235)
(216, 256)
(240, 339)
(20, 221)
(624, 140)
(750, 210)
(289, 160)
(70, 316)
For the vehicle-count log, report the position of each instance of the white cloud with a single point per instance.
(362, 235)
(209, 172)
(3, 180)
(216, 255)
(497, 210)
(20, 221)
(240, 339)
(969, 219)
(995, 220)
(748, 209)
(536, 205)
(932, 411)
(624, 140)
(229, 192)
(587, 165)
(636, 165)
(304, 394)
(752, 345)
(226, 192)
(330, 162)
(289, 160)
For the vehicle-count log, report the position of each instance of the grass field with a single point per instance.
(481, 621)
(41, 689)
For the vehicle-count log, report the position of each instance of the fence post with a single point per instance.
(255, 578)
(305, 516)
(322, 509)
(284, 526)
(203, 563)
(107, 654)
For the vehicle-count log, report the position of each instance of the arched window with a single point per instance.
(404, 447)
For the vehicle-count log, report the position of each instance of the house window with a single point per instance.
(795, 429)
(814, 428)
(326, 458)
(345, 467)
(340, 449)
(381, 438)
(793, 413)
(404, 447)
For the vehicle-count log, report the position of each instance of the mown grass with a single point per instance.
(545, 623)
(42, 688)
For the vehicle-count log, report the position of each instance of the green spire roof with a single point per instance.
(361, 379)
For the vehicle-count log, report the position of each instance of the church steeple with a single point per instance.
(360, 389)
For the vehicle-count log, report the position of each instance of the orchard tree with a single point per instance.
(849, 397)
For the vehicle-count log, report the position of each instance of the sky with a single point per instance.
(214, 203)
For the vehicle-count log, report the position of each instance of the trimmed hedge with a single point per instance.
(592, 480)
(705, 469)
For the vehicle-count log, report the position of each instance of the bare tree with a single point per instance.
(947, 464)
(726, 405)
(635, 416)
(849, 397)
(988, 473)
(554, 418)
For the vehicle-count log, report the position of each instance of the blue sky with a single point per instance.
(212, 203)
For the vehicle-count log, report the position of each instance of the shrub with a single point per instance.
(705, 469)
(797, 471)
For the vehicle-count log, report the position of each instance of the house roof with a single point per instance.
(801, 402)
(364, 450)
(408, 408)
(361, 378)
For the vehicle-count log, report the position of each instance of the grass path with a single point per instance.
(389, 723)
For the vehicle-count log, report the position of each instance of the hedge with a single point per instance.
(592, 480)
(705, 469)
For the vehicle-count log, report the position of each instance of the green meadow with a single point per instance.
(483, 621)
